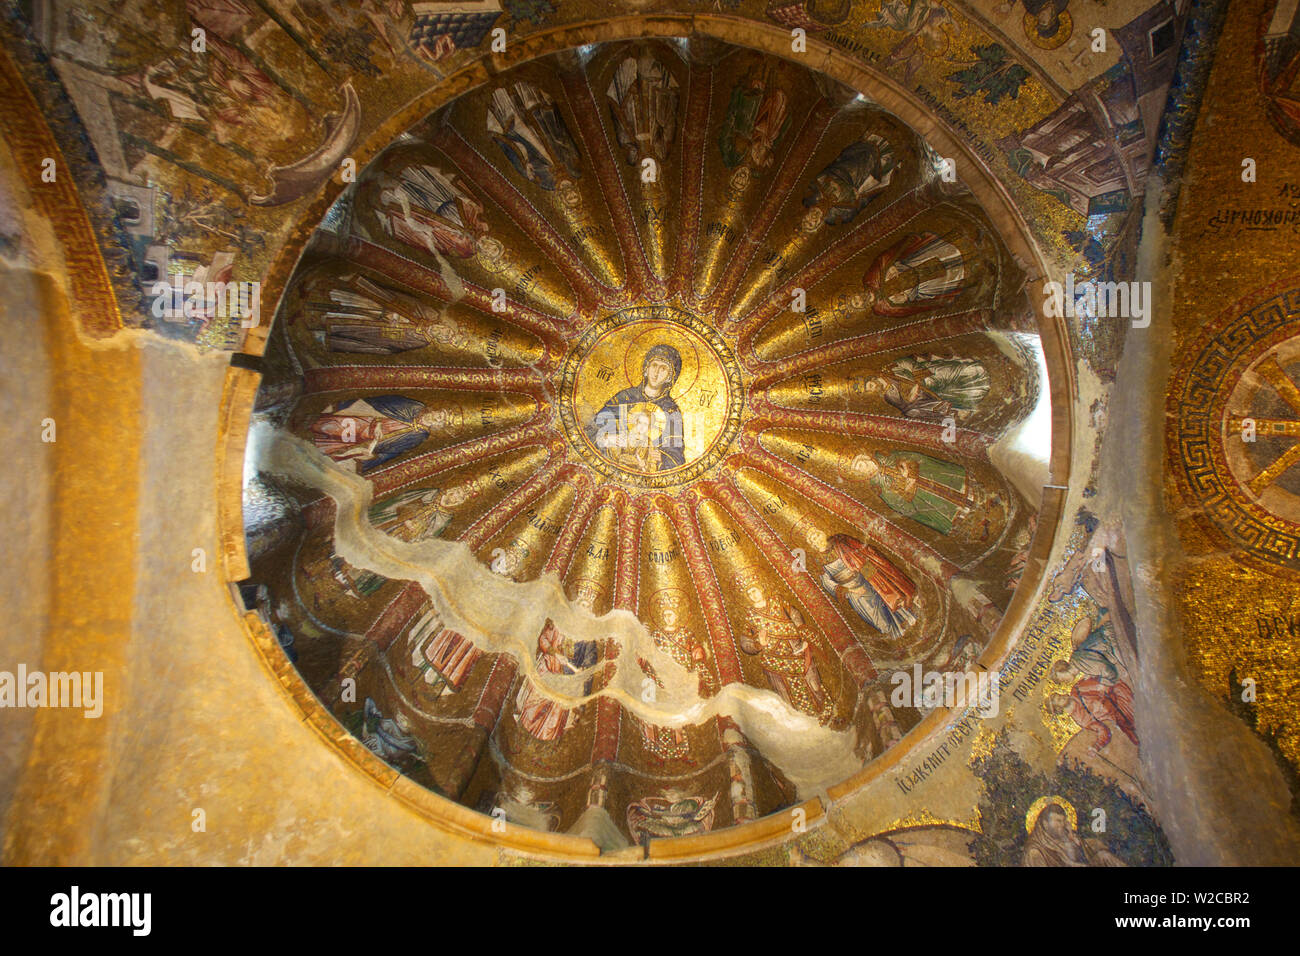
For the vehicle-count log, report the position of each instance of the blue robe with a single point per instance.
(397, 407)
(671, 444)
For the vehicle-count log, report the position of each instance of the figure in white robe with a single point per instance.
(932, 387)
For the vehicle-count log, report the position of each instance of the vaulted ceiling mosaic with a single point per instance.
(628, 423)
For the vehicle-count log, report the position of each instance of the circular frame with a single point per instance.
(241, 386)
(576, 434)
(1198, 407)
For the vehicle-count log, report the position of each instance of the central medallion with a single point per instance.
(651, 396)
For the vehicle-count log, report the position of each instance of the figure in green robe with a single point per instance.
(757, 117)
(421, 513)
(928, 490)
(931, 387)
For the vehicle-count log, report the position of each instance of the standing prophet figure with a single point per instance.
(375, 430)
(878, 592)
(675, 638)
(757, 116)
(615, 427)
(421, 513)
(643, 97)
(919, 272)
(849, 183)
(774, 632)
(931, 387)
(928, 490)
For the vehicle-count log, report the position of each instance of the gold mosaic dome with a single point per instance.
(626, 428)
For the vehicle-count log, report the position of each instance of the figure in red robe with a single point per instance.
(542, 716)
(918, 273)
(874, 587)
(1094, 703)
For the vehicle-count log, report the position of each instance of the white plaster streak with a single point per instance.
(502, 616)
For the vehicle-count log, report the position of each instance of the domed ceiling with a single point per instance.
(625, 428)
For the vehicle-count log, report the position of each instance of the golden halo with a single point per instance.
(665, 334)
(804, 523)
(708, 391)
(1039, 805)
(939, 48)
(1063, 32)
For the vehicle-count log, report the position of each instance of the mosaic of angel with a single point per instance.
(375, 430)
(926, 23)
(643, 98)
(928, 490)
(931, 387)
(849, 183)
(757, 117)
(528, 127)
(775, 633)
(874, 587)
(432, 211)
(419, 514)
(641, 427)
(374, 321)
(1100, 569)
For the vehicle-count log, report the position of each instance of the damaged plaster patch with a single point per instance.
(502, 616)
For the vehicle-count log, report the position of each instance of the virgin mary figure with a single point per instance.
(631, 418)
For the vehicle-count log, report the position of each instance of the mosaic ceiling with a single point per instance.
(639, 406)
(627, 424)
